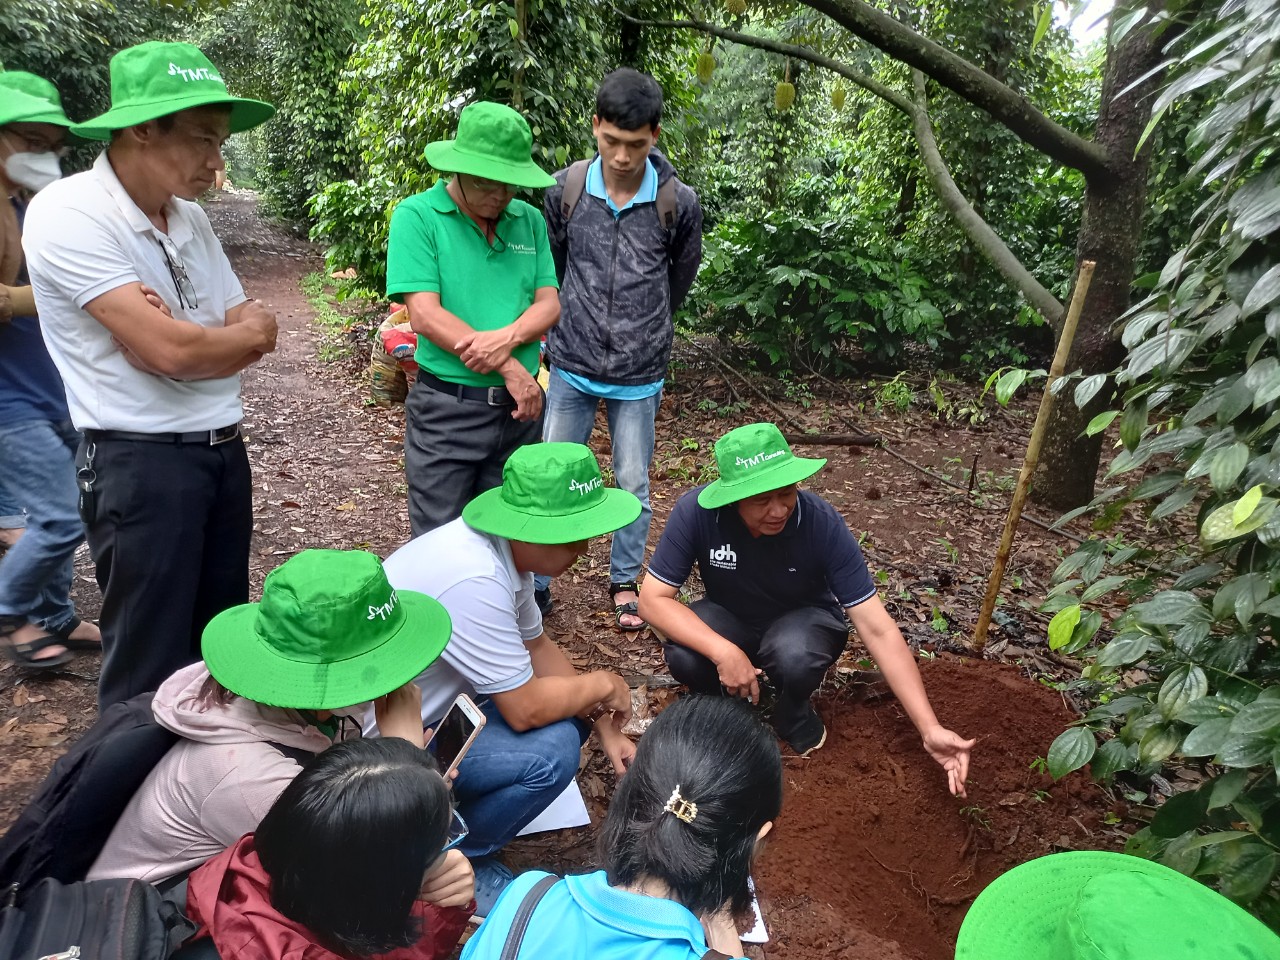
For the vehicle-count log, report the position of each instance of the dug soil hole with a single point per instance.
(872, 858)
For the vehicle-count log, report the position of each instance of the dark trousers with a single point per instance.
(794, 651)
(454, 449)
(170, 539)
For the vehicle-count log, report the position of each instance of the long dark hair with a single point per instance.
(349, 840)
(724, 760)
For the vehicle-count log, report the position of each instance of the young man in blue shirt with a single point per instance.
(779, 564)
(627, 242)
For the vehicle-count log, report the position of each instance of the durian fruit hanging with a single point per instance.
(785, 94)
(706, 66)
(735, 7)
(838, 95)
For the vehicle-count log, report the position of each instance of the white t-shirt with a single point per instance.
(492, 607)
(83, 237)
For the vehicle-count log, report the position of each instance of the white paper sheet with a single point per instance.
(566, 810)
(758, 933)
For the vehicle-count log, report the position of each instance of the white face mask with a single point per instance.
(34, 171)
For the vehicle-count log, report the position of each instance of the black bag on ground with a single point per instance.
(64, 828)
(92, 920)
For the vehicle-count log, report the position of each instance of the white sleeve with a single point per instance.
(528, 616)
(488, 645)
(71, 252)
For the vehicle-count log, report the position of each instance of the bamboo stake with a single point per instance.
(1033, 455)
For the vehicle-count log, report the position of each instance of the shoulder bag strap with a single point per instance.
(520, 922)
(575, 182)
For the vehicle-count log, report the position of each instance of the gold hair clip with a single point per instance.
(685, 810)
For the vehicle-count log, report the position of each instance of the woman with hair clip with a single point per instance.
(343, 865)
(678, 845)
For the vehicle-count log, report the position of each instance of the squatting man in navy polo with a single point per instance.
(778, 564)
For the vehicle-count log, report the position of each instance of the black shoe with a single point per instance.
(543, 599)
(809, 736)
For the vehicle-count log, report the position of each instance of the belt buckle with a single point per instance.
(231, 432)
(500, 402)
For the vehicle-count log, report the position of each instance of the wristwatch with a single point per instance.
(598, 711)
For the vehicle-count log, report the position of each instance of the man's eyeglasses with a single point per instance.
(178, 271)
(481, 185)
(35, 144)
(457, 832)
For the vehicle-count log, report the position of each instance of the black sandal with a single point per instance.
(631, 607)
(24, 654)
(72, 643)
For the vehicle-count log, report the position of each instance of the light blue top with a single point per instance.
(648, 193)
(583, 918)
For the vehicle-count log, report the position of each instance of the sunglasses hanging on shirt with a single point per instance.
(178, 271)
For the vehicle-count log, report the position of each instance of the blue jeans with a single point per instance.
(40, 474)
(508, 778)
(569, 416)
(11, 515)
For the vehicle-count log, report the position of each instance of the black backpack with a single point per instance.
(96, 920)
(64, 828)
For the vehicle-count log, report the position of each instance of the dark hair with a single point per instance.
(722, 758)
(630, 100)
(349, 840)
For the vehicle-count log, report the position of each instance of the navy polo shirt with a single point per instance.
(813, 562)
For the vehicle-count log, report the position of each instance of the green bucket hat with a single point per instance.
(1093, 905)
(26, 98)
(330, 632)
(155, 79)
(551, 493)
(493, 142)
(754, 459)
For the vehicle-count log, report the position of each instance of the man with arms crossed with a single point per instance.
(480, 567)
(778, 564)
(153, 383)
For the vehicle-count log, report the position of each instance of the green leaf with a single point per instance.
(1262, 717)
(1227, 465)
(1173, 502)
(1063, 625)
(1008, 385)
(1220, 525)
(1124, 649)
(1227, 787)
(1244, 750)
(1111, 757)
(1170, 607)
(1132, 422)
(1088, 388)
(1180, 813)
(1070, 750)
(1043, 23)
(1246, 870)
(1207, 738)
(1158, 743)
(1222, 836)
(1182, 686)
(1245, 506)
(1206, 709)
(1102, 588)
(1100, 422)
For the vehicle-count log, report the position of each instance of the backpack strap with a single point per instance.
(520, 922)
(668, 204)
(575, 181)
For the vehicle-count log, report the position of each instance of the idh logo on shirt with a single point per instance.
(724, 558)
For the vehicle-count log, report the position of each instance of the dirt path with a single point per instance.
(871, 857)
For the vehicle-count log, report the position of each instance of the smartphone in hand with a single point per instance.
(454, 734)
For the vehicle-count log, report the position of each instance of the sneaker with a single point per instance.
(492, 878)
(810, 735)
(543, 599)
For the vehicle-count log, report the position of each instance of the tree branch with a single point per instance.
(786, 49)
(978, 230)
(968, 82)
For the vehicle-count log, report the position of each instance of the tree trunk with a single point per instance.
(1110, 233)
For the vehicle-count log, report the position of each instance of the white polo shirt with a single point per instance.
(490, 603)
(83, 237)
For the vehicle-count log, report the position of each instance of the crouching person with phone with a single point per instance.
(537, 708)
(356, 858)
(329, 636)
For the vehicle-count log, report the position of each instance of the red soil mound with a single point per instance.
(872, 858)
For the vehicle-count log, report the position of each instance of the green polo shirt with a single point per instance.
(435, 247)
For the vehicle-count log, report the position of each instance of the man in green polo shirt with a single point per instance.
(473, 267)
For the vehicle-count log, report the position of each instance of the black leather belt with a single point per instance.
(493, 396)
(204, 437)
